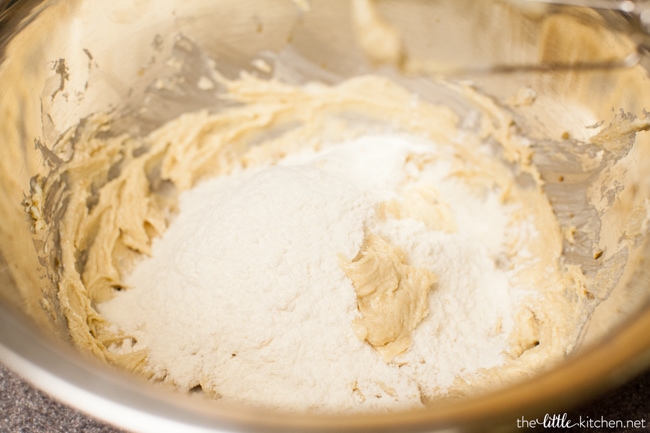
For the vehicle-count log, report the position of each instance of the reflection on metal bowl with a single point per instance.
(63, 61)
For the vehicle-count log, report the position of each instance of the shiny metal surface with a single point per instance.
(120, 35)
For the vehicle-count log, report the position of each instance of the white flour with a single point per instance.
(245, 295)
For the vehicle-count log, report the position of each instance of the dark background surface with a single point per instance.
(24, 409)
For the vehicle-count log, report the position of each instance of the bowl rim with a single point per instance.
(131, 403)
(117, 398)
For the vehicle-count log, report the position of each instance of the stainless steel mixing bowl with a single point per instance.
(62, 60)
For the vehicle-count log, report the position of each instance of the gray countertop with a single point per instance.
(24, 409)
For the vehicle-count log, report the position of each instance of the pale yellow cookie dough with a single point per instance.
(101, 196)
(116, 193)
(392, 295)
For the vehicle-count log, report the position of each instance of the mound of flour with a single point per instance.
(245, 297)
